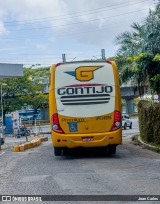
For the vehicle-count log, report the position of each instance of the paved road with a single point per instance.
(135, 129)
(132, 171)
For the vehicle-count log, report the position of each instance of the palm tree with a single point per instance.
(153, 30)
(137, 51)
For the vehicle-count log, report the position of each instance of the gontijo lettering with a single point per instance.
(85, 94)
(84, 90)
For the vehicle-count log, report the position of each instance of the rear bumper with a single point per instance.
(75, 140)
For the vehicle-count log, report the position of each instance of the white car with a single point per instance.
(126, 122)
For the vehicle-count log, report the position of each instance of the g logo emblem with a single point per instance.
(85, 73)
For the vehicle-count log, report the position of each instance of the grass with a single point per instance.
(156, 147)
(135, 139)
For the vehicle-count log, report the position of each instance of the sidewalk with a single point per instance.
(11, 141)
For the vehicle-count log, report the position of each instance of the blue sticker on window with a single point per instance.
(73, 127)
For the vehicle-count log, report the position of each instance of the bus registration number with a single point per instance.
(87, 139)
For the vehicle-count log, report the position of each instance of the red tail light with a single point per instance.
(55, 124)
(55, 119)
(108, 61)
(58, 64)
(117, 121)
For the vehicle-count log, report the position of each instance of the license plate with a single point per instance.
(87, 139)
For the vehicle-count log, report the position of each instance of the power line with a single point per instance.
(59, 57)
(79, 21)
(43, 62)
(45, 55)
(66, 33)
(87, 12)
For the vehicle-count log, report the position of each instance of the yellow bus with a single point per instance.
(85, 106)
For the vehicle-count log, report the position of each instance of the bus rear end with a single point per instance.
(85, 105)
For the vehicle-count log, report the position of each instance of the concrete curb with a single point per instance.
(47, 132)
(43, 133)
(147, 145)
(28, 145)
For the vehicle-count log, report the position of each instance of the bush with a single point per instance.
(149, 121)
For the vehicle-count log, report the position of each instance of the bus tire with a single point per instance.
(58, 151)
(112, 149)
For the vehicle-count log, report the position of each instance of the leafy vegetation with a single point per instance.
(138, 56)
(138, 59)
(28, 90)
(149, 117)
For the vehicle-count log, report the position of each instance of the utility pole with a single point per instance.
(64, 57)
(2, 118)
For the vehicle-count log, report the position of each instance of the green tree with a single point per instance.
(27, 90)
(138, 54)
(38, 97)
(13, 89)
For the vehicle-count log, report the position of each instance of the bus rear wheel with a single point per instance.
(58, 151)
(112, 149)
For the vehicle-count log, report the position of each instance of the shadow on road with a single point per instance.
(91, 153)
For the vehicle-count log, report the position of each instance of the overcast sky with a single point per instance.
(39, 31)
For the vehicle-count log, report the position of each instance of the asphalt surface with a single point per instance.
(132, 171)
